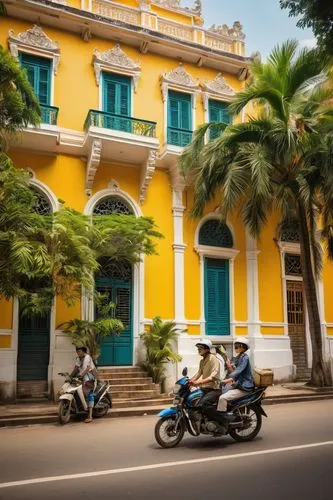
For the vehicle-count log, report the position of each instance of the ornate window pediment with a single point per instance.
(34, 41)
(176, 5)
(216, 89)
(178, 79)
(115, 60)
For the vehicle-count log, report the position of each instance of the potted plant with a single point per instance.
(159, 349)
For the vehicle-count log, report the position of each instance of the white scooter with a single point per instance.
(73, 402)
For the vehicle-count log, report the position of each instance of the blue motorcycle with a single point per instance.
(185, 415)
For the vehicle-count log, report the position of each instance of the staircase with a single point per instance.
(131, 387)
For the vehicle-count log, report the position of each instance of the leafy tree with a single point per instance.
(280, 160)
(158, 343)
(315, 14)
(18, 104)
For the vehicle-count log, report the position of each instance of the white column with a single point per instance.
(202, 295)
(252, 286)
(178, 249)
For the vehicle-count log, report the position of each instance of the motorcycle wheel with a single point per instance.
(101, 412)
(252, 419)
(64, 411)
(165, 433)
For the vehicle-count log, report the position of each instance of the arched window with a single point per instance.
(215, 233)
(112, 205)
(289, 232)
(42, 205)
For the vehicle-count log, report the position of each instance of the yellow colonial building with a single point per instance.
(123, 85)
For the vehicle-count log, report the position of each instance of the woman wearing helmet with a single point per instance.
(241, 377)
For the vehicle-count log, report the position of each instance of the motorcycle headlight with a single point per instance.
(176, 388)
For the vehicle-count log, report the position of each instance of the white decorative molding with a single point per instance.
(216, 89)
(223, 30)
(147, 173)
(179, 79)
(216, 252)
(288, 247)
(34, 41)
(55, 205)
(252, 285)
(115, 60)
(62, 2)
(144, 5)
(93, 164)
(178, 182)
(176, 5)
(114, 186)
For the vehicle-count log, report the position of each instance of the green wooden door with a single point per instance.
(117, 101)
(33, 347)
(117, 350)
(217, 307)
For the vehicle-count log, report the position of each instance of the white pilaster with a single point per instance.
(179, 250)
(252, 286)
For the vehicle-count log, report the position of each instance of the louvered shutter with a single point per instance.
(217, 309)
(39, 74)
(117, 100)
(179, 118)
(218, 112)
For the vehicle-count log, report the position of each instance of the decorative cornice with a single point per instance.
(34, 40)
(93, 164)
(147, 173)
(235, 32)
(176, 5)
(289, 247)
(116, 60)
(217, 88)
(219, 252)
(178, 79)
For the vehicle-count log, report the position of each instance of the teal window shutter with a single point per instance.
(38, 70)
(218, 112)
(179, 118)
(116, 94)
(217, 308)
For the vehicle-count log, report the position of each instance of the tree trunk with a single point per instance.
(320, 374)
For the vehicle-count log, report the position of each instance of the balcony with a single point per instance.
(120, 139)
(49, 114)
(179, 137)
(121, 123)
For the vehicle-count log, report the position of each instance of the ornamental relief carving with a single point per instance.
(178, 78)
(235, 32)
(116, 60)
(176, 5)
(34, 38)
(218, 88)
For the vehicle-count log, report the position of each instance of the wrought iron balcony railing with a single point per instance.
(120, 122)
(179, 137)
(49, 114)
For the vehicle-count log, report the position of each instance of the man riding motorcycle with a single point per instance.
(207, 377)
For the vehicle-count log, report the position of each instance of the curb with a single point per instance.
(26, 419)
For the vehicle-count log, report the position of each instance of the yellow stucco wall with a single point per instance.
(269, 276)
(6, 314)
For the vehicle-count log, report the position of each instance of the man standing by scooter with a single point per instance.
(85, 368)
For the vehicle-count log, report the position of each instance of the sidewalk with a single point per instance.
(46, 412)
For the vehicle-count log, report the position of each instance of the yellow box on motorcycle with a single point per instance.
(263, 377)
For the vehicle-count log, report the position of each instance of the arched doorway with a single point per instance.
(33, 345)
(114, 281)
(216, 235)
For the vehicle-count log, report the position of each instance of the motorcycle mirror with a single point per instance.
(184, 372)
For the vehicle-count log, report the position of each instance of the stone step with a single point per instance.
(135, 387)
(129, 403)
(131, 381)
(125, 375)
(121, 369)
(134, 395)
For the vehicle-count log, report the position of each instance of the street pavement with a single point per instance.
(118, 458)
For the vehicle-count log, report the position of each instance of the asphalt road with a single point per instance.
(119, 459)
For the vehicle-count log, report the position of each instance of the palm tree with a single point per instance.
(280, 160)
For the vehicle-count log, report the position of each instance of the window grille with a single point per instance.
(290, 232)
(292, 265)
(112, 205)
(42, 204)
(114, 270)
(216, 234)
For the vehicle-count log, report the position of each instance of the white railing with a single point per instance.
(116, 11)
(176, 30)
(223, 41)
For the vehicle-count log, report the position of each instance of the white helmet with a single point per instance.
(242, 340)
(205, 342)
